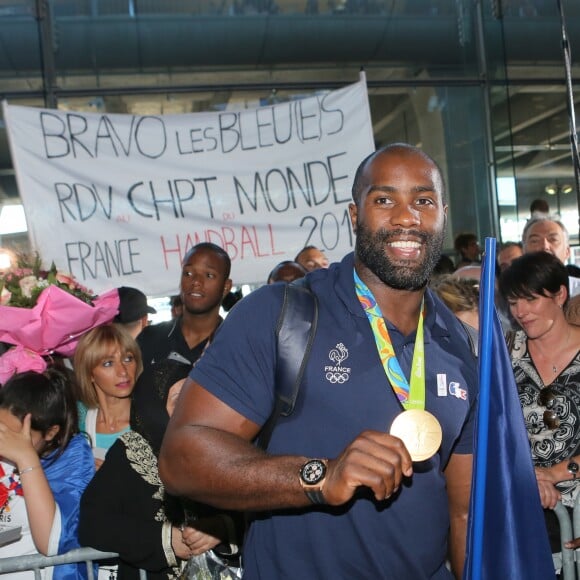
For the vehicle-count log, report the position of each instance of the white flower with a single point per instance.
(5, 296)
(27, 285)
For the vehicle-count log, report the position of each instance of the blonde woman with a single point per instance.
(461, 296)
(139, 520)
(107, 363)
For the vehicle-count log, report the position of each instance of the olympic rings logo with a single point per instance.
(339, 378)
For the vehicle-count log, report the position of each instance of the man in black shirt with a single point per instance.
(204, 283)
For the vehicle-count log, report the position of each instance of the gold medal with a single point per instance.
(420, 432)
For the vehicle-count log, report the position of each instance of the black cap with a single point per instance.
(132, 305)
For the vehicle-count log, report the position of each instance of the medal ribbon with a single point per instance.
(411, 395)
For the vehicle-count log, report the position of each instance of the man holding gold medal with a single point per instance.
(370, 476)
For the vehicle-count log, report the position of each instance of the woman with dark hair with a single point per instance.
(546, 362)
(45, 465)
(125, 509)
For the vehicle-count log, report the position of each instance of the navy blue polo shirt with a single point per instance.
(344, 392)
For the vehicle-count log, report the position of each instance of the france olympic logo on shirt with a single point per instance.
(337, 374)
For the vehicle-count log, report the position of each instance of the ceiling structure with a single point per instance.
(109, 57)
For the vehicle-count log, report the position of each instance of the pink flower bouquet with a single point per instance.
(57, 320)
(57, 314)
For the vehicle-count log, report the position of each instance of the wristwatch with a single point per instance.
(312, 476)
(573, 468)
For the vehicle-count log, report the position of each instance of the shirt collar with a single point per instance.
(344, 284)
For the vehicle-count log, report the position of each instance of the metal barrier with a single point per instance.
(566, 557)
(37, 562)
(569, 559)
(569, 529)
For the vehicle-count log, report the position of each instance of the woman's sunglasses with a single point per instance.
(547, 398)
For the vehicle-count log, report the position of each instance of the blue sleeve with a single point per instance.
(239, 365)
(465, 442)
(68, 477)
(464, 445)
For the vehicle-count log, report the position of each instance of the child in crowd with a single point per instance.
(45, 465)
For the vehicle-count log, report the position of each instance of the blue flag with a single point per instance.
(506, 536)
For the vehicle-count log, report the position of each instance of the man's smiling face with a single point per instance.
(400, 218)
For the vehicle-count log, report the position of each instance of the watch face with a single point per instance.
(313, 471)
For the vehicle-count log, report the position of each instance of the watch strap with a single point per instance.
(315, 496)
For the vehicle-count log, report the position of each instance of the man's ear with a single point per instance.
(227, 287)
(353, 212)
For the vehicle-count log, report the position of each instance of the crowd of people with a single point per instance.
(143, 443)
(538, 299)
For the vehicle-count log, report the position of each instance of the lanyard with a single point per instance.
(411, 396)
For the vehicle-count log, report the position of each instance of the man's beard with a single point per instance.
(405, 274)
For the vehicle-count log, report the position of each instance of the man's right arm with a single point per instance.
(207, 455)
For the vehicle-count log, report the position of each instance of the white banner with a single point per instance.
(117, 200)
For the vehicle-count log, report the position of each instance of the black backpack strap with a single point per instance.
(295, 334)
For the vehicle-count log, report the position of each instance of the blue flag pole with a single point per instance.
(487, 294)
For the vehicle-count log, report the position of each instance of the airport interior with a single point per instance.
(486, 87)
